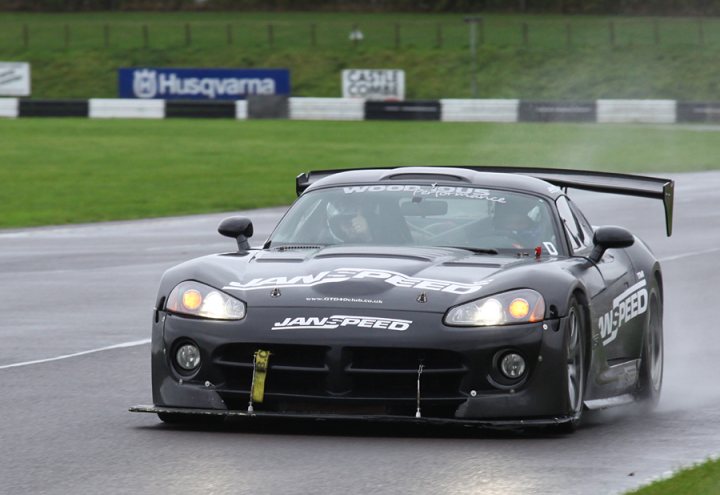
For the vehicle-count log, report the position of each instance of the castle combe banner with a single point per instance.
(14, 79)
(374, 84)
(201, 84)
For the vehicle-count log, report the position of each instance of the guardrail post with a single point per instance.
(473, 22)
(701, 32)
(568, 35)
(656, 32)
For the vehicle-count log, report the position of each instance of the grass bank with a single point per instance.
(55, 171)
(699, 480)
(532, 57)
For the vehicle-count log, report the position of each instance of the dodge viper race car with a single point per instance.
(475, 295)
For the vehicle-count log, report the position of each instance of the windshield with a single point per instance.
(419, 215)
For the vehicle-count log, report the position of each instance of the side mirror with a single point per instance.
(239, 228)
(610, 238)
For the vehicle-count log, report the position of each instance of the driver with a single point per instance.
(348, 221)
(519, 220)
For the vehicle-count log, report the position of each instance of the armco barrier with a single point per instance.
(267, 107)
(327, 109)
(200, 109)
(53, 108)
(101, 108)
(449, 110)
(479, 110)
(402, 110)
(552, 111)
(8, 107)
(636, 111)
(698, 112)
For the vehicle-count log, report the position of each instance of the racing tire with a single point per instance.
(652, 356)
(575, 369)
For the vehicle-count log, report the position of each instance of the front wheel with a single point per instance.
(574, 365)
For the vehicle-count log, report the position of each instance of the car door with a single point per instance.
(617, 276)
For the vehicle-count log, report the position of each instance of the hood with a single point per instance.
(388, 278)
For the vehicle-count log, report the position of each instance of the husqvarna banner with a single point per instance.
(201, 84)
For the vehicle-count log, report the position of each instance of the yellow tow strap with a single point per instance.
(259, 374)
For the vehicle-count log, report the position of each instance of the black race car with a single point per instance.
(432, 294)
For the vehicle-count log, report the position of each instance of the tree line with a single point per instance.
(613, 7)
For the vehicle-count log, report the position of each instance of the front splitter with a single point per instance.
(500, 423)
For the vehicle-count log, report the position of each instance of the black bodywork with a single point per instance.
(373, 373)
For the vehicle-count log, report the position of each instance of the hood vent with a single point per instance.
(373, 255)
(470, 263)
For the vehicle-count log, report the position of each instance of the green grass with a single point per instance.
(433, 49)
(698, 480)
(55, 171)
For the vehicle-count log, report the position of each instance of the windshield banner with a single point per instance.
(201, 84)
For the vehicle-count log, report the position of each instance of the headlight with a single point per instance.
(196, 299)
(516, 306)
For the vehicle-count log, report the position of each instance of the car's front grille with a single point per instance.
(303, 376)
(292, 367)
(393, 372)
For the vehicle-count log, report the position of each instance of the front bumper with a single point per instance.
(352, 373)
(498, 423)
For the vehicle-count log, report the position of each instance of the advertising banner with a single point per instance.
(698, 111)
(14, 79)
(553, 111)
(201, 84)
(406, 110)
(374, 84)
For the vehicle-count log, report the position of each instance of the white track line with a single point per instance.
(688, 255)
(134, 343)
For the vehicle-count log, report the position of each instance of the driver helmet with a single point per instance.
(341, 215)
(521, 218)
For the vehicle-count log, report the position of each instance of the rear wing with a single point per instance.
(606, 182)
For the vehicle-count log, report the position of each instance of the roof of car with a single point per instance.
(454, 176)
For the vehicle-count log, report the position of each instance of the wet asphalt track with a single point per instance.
(65, 428)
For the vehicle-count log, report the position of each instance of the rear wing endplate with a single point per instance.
(606, 182)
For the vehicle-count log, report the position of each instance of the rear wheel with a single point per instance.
(574, 365)
(652, 357)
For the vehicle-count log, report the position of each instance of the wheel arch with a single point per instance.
(584, 302)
